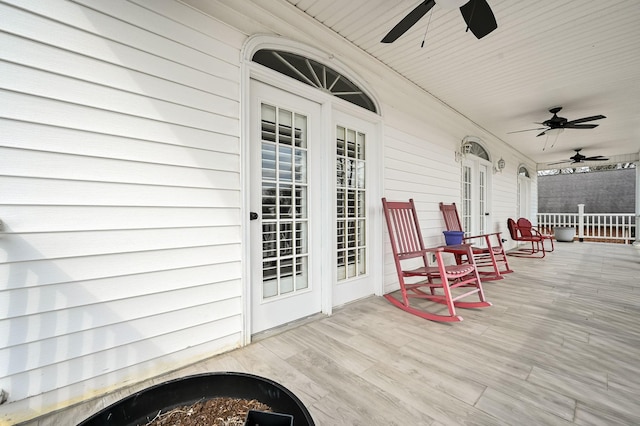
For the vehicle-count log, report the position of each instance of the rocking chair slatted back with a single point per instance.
(451, 217)
(487, 256)
(406, 235)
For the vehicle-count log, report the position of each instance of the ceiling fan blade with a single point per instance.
(596, 158)
(559, 162)
(479, 17)
(543, 133)
(580, 126)
(585, 119)
(528, 130)
(408, 21)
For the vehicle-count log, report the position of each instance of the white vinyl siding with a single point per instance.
(120, 193)
(422, 171)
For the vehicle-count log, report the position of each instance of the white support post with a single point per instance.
(581, 222)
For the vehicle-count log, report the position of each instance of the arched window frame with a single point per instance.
(282, 44)
(524, 172)
(472, 145)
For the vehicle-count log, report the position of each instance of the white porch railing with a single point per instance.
(606, 227)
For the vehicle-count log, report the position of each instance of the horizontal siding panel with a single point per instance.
(48, 33)
(20, 134)
(123, 305)
(182, 35)
(67, 192)
(219, 174)
(92, 366)
(18, 50)
(403, 190)
(35, 109)
(416, 151)
(90, 22)
(423, 166)
(129, 377)
(40, 246)
(61, 306)
(83, 218)
(45, 272)
(68, 90)
(14, 360)
(193, 18)
(423, 173)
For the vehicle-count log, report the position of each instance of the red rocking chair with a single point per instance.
(485, 257)
(408, 247)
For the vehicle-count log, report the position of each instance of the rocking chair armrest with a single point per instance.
(463, 248)
(418, 253)
(497, 234)
(433, 249)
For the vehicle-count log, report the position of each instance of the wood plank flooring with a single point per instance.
(559, 346)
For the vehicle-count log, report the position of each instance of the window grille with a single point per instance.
(314, 74)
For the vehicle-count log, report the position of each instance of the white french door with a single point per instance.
(354, 192)
(475, 195)
(285, 203)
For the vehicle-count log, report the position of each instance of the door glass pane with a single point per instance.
(466, 199)
(482, 200)
(351, 213)
(284, 202)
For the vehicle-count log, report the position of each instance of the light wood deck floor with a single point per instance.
(560, 345)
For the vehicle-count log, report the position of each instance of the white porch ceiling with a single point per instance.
(583, 55)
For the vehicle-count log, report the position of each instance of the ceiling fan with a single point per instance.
(579, 158)
(562, 123)
(476, 13)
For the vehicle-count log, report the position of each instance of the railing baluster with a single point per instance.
(598, 226)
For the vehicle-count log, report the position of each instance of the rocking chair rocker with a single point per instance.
(485, 257)
(407, 244)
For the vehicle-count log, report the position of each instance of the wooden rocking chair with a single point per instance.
(485, 257)
(407, 245)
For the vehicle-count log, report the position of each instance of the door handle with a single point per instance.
(253, 216)
(486, 214)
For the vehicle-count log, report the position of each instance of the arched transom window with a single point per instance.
(314, 74)
(474, 148)
(522, 171)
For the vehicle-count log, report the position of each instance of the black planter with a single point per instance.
(144, 405)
